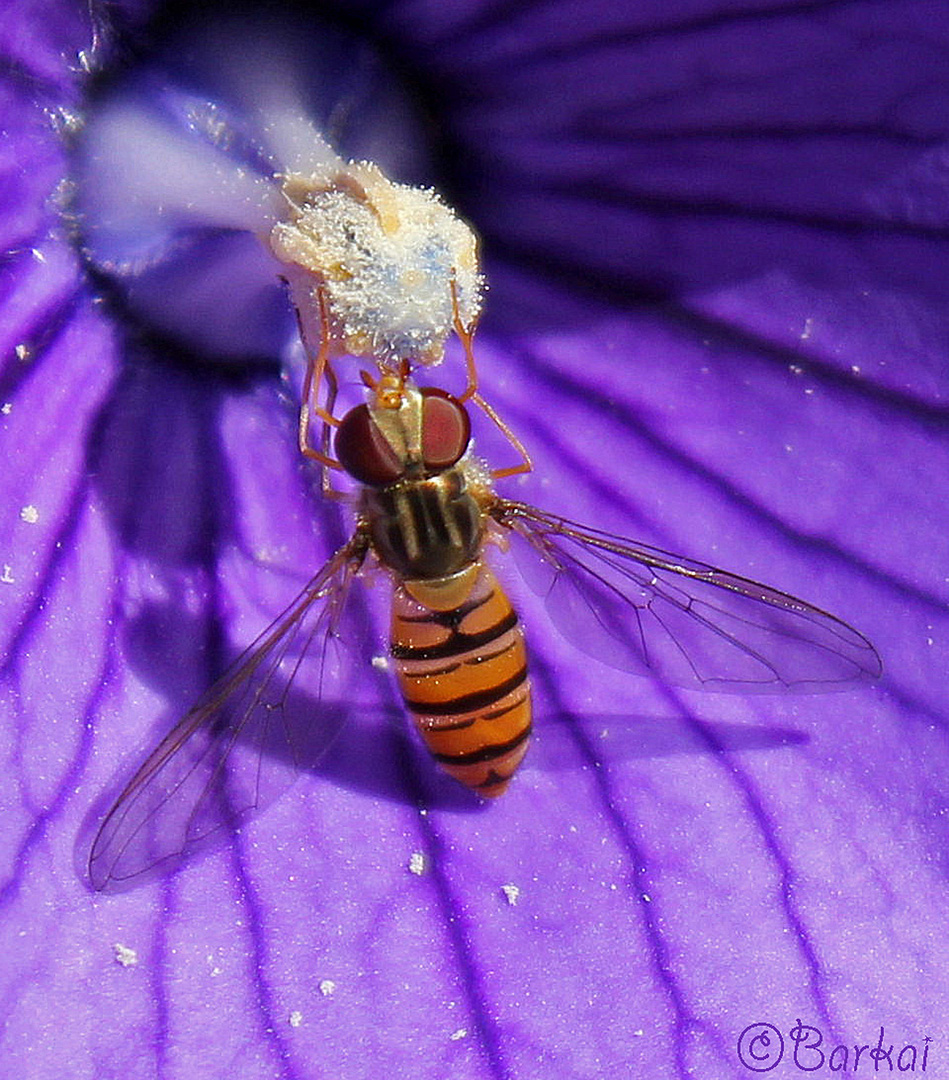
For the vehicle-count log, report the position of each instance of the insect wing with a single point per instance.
(641, 609)
(244, 740)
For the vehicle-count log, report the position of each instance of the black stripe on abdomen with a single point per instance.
(456, 643)
(486, 753)
(480, 699)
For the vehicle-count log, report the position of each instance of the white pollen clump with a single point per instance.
(30, 515)
(417, 863)
(512, 893)
(124, 955)
(385, 255)
(327, 987)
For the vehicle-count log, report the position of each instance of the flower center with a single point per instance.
(181, 164)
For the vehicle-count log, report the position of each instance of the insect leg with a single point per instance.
(326, 486)
(466, 337)
(318, 370)
(526, 465)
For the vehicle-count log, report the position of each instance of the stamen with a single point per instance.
(397, 265)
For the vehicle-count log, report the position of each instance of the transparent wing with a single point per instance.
(638, 608)
(243, 741)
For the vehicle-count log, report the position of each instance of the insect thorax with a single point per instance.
(427, 528)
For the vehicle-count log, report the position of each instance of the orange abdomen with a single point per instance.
(463, 676)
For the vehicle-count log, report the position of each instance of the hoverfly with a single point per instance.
(425, 511)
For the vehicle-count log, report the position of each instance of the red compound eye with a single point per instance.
(363, 452)
(446, 429)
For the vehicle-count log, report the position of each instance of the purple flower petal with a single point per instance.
(668, 868)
